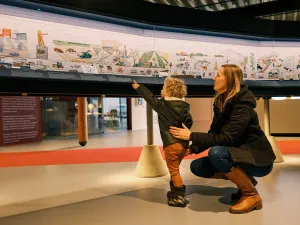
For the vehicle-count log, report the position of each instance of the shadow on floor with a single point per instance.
(201, 198)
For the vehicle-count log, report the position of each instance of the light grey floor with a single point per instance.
(208, 198)
(110, 193)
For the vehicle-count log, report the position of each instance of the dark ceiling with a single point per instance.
(268, 9)
(211, 5)
(262, 18)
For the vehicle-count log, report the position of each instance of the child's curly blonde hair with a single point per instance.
(175, 87)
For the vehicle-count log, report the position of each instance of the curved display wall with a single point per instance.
(44, 41)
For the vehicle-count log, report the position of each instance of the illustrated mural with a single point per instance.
(85, 50)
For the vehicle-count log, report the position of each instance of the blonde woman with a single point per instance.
(239, 148)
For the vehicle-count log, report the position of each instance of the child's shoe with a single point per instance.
(177, 197)
(171, 193)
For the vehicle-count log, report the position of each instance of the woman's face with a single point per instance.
(220, 84)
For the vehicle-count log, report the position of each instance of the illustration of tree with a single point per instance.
(252, 62)
(135, 55)
(216, 66)
(101, 67)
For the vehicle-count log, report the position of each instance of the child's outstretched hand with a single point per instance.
(135, 85)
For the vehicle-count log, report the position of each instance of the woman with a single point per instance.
(239, 148)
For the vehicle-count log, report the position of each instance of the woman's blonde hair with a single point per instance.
(175, 87)
(234, 78)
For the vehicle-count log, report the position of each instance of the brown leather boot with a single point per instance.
(237, 195)
(218, 175)
(250, 198)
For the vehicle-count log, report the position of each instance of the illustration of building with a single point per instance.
(6, 32)
(21, 36)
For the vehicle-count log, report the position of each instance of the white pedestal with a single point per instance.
(276, 149)
(151, 163)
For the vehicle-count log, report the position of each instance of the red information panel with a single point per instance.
(20, 120)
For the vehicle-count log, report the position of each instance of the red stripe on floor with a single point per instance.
(85, 156)
(289, 147)
(106, 155)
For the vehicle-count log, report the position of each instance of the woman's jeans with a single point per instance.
(219, 160)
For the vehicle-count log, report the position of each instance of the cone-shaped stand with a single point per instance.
(276, 149)
(151, 163)
(271, 139)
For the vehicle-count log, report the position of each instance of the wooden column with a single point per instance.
(82, 121)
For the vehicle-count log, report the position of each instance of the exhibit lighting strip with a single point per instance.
(278, 98)
(284, 98)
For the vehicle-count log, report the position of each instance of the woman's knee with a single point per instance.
(195, 166)
(218, 153)
(202, 168)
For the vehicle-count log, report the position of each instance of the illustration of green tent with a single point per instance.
(152, 59)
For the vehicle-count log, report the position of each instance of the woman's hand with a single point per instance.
(188, 152)
(181, 133)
